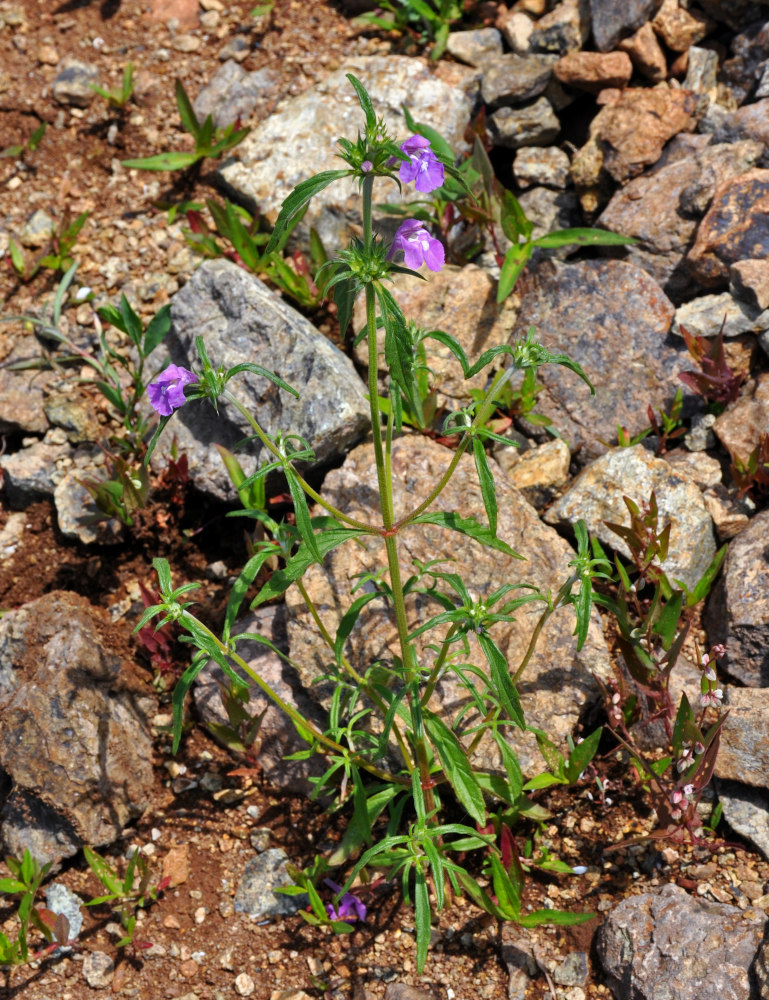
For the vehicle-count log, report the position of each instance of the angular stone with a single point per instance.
(701, 72)
(517, 28)
(512, 79)
(735, 228)
(564, 29)
(596, 496)
(461, 301)
(645, 53)
(37, 230)
(240, 320)
(73, 81)
(592, 71)
(31, 474)
(22, 396)
(707, 315)
(77, 514)
(299, 139)
(535, 124)
(750, 48)
(548, 166)
(550, 210)
(612, 318)
(744, 751)
(749, 281)
(613, 20)
(541, 471)
(718, 163)
(674, 945)
(680, 28)
(255, 895)
(558, 679)
(62, 688)
(746, 810)
(740, 426)
(737, 613)
(751, 121)
(475, 48)
(729, 515)
(234, 94)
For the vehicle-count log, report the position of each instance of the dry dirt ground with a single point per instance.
(205, 835)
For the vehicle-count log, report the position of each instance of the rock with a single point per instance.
(98, 970)
(255, 895)
(31, 474)
(461, 301)
(680, 28)
(73, 81)
(61, 900)
(564, 29)
(645, 53)
(78, 516)
(236, 48)
(718, 163)
(403, 991)
(674, 945)
(613, 20)
(37, 230)
(234, 94)
(47, 54)
(475, 47)
(740, 426)
(706, 315)
(186, 43)
(572, 971)
(751, 49)
(11, 536)
(540, 471)
(745, 810)
(61, 688)
(735, 13)
(751, 121)
(701, 72)
(749, 281)
(277, 736)
(729, 515)
(592, 71)
(21, 403)
(551, 210)
(701, 468)
(736, 227)
(744, 752)
(630, 133)
(548, 166)
(613, 318)
(517, 28)
(535, 124)
(76, 415)
(596, 496)
(511, 79)
(299, 139)
(558, 679)
(737, 613)
(241, 320)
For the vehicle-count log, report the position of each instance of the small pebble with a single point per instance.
(244, 985)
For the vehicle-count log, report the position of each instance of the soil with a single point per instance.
(190, 943)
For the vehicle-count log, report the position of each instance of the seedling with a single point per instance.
(118, 98)
(29, 146)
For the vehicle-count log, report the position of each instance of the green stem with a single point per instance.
(557, 603)
(432, 680)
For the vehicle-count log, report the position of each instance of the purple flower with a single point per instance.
(418, 246)
(423, 166)
(166, 393)
(350, 907)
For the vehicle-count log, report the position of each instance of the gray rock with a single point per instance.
(747, 122)
(746, 810)
(78, 516)
(596, 497)
(299, 138)
(718, 163)
(517, 28)
(240, 319)
(564, 29)
(75, 416)
(63, 689)
(750, 47)
(738, 611)
(236, 48)
(613, 20)
(674, 946)
(233, 94)
(73, 81)
(31, 474)
(98, 970)
(749, 280)
(37, 230)
(572, 971)
(22, 395)
(535, 124)
(277, 736)
(701, 71)
(550, 210)
(708, 314)
(60, 899)
(475, 47)
(512, 79)
(744, 752)
(548, 167)
(701, 436)
(255, 895)
(558, 679)
(612, 318)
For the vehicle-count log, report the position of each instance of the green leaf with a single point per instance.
(453, 345)
(501, 680)
(421, 918)
(164, 161)
(132, 325)
(466, 526)
(456, 766)
(511, 765)
(702, 588)
(17, 256)
(486, 480)
(582, 754)
(249, 366)
(102, 870)
(157, 328)
(302, 514)
(186, 111)
(558, 918)
(345, 293)
(515, 260)
(183, 685)
(365, 102)
(298, 564)
(584, 237)
(12, 885)
(240, 588)
(298, 200)
(347, 623)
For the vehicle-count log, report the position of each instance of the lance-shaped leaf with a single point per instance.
(298, 200)
(501, 680)
(365, 101)
(466, 526)
(486, 480)
(299, 563)
(456, 767)
(302, 513)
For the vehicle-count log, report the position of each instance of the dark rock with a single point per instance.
(736, 227)
(240, 319)
(737, 613)
(73, 81)
(235, 94)
(511, 79)
(613, 20)
(534, 124)
(31, 474)
(564, 29)
(751, 121)
(679, 947)
(255, 895)
(613, 318)
(746, 810)
(751, 49)
(62, 689)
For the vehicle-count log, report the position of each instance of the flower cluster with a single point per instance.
(681, 801)
(711, 695)
(166, 393)
(688, 755)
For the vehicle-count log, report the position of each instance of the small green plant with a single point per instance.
(209, 141)
(131, 892)
(118, 98)
(751, 475)
(26, 877)
(28, 146)
(427, 21)
(716, 382)
(58, 257)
